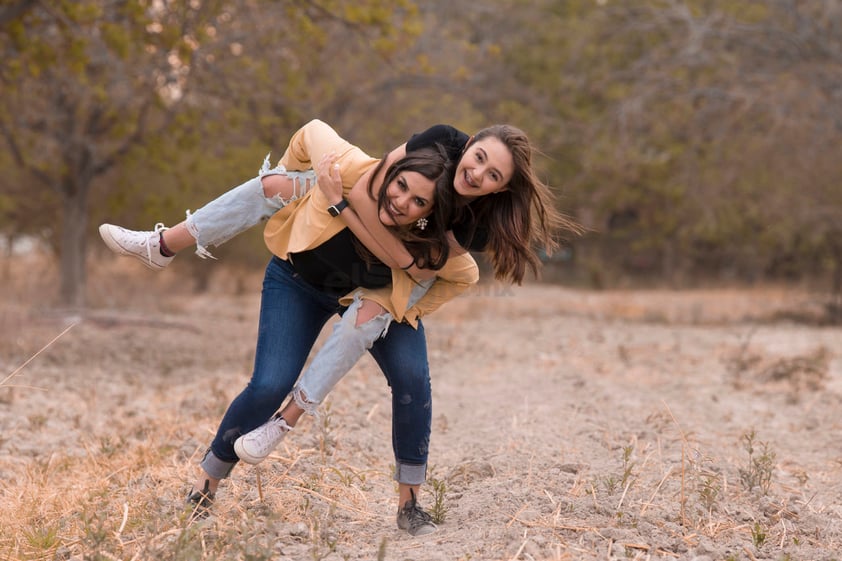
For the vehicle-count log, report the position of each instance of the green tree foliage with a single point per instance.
(94, 88)
(696, 138)
(273, 66)
(85, 82)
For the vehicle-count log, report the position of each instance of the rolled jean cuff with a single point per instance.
(410, 474)
(216, 468)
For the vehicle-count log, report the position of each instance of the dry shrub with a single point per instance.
(794, 375)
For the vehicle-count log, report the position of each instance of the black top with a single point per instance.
(468, 233)
(452, 140)
(335, 267)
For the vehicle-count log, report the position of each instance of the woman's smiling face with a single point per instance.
(486, 167)
(409, 196)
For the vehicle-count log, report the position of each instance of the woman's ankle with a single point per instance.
(406, 493)
(205, 483)
(292, 413)
(177, 238)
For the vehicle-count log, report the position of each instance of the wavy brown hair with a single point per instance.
(429, 247)
(521, 218)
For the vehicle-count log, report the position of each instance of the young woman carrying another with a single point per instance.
(504, 210)
(317, 261)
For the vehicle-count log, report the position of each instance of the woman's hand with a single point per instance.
(328, 179)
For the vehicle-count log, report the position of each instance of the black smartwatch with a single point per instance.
(336, 210)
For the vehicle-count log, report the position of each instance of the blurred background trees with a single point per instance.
(695, 138)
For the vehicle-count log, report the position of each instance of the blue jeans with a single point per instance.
(402, 356)
(292, 314)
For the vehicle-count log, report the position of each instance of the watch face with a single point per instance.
(336, 210)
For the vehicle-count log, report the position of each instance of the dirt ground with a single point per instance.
(567, 424)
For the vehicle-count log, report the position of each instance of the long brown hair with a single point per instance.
(429, 247)
(521, 218)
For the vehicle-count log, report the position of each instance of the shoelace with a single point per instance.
(276, 427)
(159, 227)
(415, 515)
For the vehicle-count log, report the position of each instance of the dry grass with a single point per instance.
(568, 425)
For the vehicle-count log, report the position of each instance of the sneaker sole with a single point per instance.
(425, 531)
(245, 456)
(105, 234)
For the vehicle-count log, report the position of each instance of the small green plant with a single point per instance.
(439, 509)
(323, 537)
(186, 544)
(613, 482)
(610, 483)
(97, 531)
(758, 535)
(628, 464)
(43, 538)
(709, 489)
(381, 550)
(348, 476)
(313, 482)
(327, 437)
(761, 463)
(305, 505)
(109, 445)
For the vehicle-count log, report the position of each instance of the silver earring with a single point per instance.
(421, 223)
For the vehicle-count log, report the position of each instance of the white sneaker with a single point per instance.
(145, 246)
(253, 447)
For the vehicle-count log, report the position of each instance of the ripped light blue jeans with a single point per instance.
(243, 207)
(343, 349)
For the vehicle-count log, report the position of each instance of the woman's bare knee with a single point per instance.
(274, 185)
(368, 310)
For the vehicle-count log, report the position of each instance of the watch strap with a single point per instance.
(336, 210)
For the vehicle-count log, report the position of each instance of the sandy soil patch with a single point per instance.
(567, 425)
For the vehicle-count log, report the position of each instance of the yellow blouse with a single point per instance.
(305, 224)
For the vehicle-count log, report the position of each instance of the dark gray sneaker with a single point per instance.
(414, 519)
(200, 502)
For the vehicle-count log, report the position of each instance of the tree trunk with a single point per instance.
(836, 289)
(73, 247)
(7, 263)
